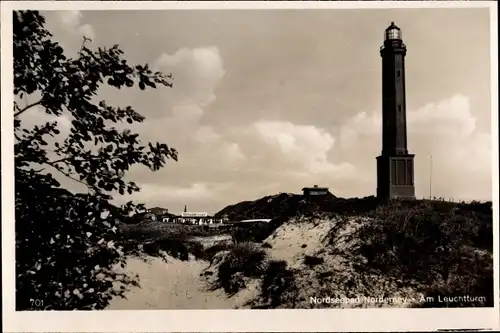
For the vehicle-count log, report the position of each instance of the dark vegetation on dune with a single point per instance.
(288, 204)
(284, 206)
(212, 251)
(153, 238)
(278, 285)
(445, 246)
(247, 260)
(244, 260)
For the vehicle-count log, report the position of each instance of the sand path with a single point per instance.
(173, 285)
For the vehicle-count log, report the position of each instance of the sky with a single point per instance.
(269, 101)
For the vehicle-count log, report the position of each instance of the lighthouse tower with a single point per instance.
(395, 172)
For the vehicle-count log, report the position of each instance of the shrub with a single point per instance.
(196, 249)
(251, 232)
(212, 251)
(313, 261)
(174, 247)
(277, 283)
(244, 260)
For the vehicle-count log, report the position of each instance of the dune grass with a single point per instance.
(243, 260)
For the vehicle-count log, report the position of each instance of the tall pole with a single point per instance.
(430, 178)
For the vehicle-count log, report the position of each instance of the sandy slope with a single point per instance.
(173, 285)
(292, 241)
(335, 277)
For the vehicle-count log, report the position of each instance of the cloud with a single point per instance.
(446, 130)
(196, 74)
(187, 114)
(195, 141)
(306, 146)
(70, 21)
(362, 126)
(214, 147)
(452, 116)
(206, 134)
(153, 194)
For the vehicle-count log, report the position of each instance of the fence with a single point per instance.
(445, 199)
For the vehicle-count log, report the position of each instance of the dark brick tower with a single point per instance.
(394, 166)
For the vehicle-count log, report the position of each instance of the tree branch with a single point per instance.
(51, 163)
(26, 108)
(72, 178)
(92, 158)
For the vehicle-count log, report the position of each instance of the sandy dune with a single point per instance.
(173, 285)
(288, 241)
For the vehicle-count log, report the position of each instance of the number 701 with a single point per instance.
(36, 302)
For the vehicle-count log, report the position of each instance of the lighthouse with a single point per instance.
(395, 171)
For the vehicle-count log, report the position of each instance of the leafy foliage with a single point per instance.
(66, 244)
(64, 247)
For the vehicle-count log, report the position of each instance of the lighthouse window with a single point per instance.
(399, 107)
(399, 73)
(393, 34)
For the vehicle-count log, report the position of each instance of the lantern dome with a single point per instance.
(393, 32)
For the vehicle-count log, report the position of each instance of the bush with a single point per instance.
(313, 261)
(212, 251)
(244, 260)
(278, 280)
(152, 230)
(251, 232)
